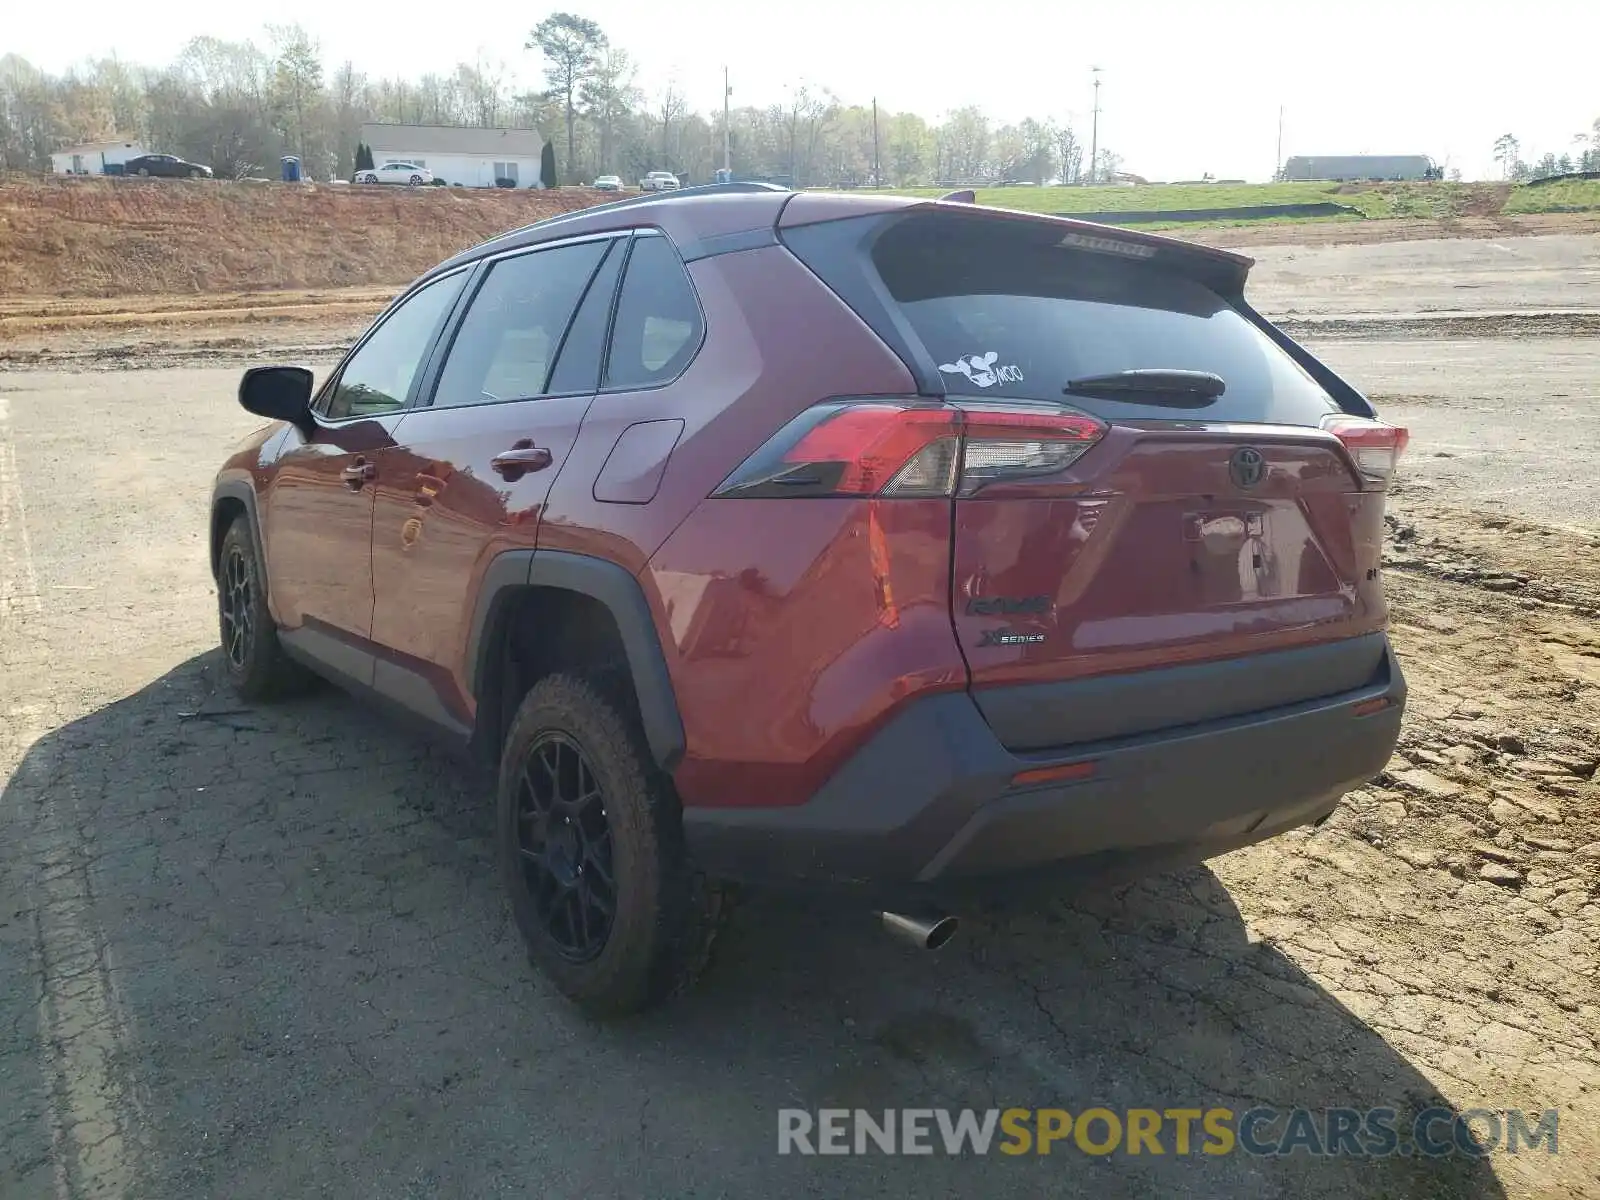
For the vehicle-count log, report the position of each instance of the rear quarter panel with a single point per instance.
(777, 632)
(776, 342)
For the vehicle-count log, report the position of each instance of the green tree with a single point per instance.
(964, 145)
(907, 149)
(571, 46)
(296, 84)
(1038, 149)
(547, 165)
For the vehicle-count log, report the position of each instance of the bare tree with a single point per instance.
(671, 109)
(608, 95)
(239, 106)
(483, 90)
(803, 120)
(1069, 154)
(1109, 166)
(1507, 152)
(349, 92)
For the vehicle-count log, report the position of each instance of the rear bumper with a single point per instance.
(930, 805)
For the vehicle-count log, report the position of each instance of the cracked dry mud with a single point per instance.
(262, 952)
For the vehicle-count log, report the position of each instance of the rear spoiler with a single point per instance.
(838, 249)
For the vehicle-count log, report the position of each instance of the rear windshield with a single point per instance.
(1004, 313)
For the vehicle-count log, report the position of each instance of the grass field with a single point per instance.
(1154, 197)
(1429, 201)
(1580, 195)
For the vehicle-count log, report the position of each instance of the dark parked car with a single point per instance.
(166, 166)
(906, 549)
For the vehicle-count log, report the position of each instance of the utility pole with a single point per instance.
(1094, 130)
(877, 172)
(1277, 170)
(727, 156)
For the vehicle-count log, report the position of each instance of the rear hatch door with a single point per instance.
(1198, 526)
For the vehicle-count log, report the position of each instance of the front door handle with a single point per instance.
(523, 457)
(358, 474)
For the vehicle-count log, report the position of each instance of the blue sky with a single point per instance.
(1188, 87)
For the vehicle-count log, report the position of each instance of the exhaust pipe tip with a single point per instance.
(925, 931)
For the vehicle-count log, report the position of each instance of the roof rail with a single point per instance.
(702, 189)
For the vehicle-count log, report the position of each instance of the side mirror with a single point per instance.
(282, 393)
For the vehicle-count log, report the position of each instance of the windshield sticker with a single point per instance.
(980, 369)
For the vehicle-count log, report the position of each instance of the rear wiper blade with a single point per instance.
(1177, 389)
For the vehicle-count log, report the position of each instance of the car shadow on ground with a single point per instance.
(311, 984)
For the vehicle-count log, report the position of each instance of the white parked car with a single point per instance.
(397, 172)
(608, 183)
(659, 181)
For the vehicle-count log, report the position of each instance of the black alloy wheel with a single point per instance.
(564, 842)
(236, 601)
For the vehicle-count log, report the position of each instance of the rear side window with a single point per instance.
(1004, 313)
(658, 327)
(508, 340)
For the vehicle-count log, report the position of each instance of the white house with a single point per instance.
(469, 156)
(91, 158)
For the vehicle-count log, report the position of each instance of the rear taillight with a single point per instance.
(1375, 446)
(910, 448)
(1005, 444)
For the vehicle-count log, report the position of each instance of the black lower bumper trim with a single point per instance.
(929, 802)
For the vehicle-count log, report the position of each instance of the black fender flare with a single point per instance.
(240, 490)
(513, 571)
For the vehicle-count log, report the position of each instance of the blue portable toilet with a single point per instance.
(291, 168)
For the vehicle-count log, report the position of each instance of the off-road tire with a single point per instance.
(256, 666)
(666, 915)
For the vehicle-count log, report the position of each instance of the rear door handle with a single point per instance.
(523, 457)
(358, 474)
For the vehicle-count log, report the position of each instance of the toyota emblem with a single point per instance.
(1247, 466)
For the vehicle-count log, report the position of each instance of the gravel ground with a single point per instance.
(261, 952)
(1552, 272)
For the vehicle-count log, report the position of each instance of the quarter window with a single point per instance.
(377, 378)
(657, 329)
(510, 335)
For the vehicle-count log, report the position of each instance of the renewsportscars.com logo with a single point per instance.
(1261, 1132)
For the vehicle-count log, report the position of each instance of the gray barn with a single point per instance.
(1352, 167)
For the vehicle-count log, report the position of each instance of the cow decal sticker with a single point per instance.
(980, 370)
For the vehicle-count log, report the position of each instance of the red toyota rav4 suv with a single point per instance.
(899, 547)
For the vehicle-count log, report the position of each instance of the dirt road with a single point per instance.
(262, 952)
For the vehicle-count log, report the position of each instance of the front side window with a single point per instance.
(377, 378)
(657, 329)
(514, 327)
